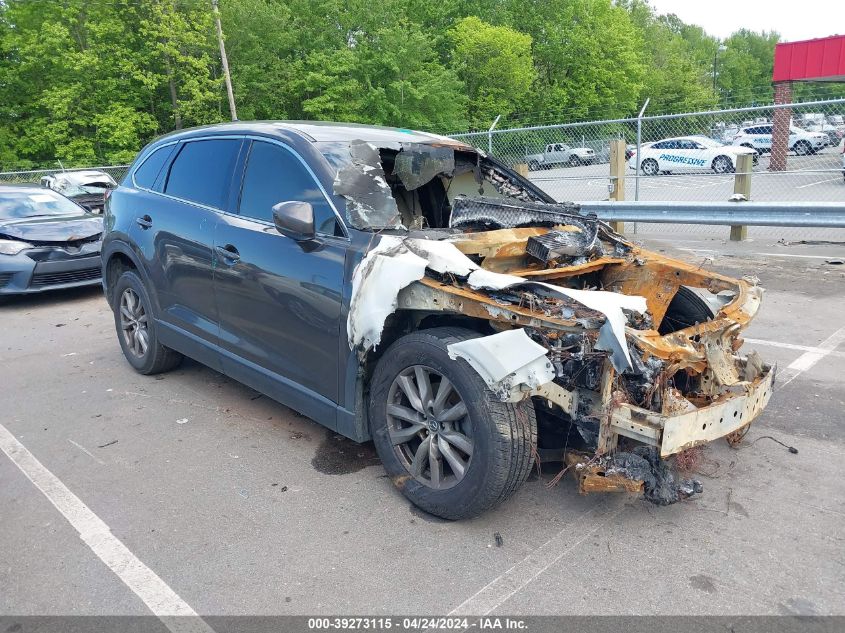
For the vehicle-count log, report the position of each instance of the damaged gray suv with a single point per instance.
(406, 288)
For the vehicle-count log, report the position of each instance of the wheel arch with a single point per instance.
(731, 160)
(360, 368)
(117, 259)
(403, 322)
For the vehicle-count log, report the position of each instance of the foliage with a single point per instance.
(91, 81)
(496, 66)
(745, 68)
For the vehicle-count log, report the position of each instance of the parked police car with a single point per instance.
(688, 153)
(759, 137)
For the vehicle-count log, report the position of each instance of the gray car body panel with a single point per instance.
(334, 397)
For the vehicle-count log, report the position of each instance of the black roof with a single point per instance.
(319, 131)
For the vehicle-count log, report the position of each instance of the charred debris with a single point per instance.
(604, 342)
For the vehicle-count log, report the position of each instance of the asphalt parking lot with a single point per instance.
(240, 506)
(817, 177)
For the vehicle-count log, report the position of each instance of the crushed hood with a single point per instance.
(52, 229)
(397, 262)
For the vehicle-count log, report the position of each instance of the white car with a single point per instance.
(87, 187)
(801, 142)
(688, 153)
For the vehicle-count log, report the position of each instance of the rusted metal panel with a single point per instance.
(593, 477)
(685, 430)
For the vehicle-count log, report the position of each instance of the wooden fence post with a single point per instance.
(742, 185)
(617, 177)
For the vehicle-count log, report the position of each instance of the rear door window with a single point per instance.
(202, 171)
(274, 174)
(147, 173)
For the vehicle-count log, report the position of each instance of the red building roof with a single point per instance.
(821, 59)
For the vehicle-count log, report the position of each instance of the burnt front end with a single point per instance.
(640, 352)
(628, 357)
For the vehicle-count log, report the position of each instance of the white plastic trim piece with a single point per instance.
(447, 258)
(395, 263)
(376, 282)
(509, 362)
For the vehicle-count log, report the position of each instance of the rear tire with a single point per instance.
(650, 167)
(502, 436)
(722, 165)
(574, 161)
(136, 328)
(533, 165)
(803, 148)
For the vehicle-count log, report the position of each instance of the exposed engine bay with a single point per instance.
(629, 357)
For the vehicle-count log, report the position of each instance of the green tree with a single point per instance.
(392, 76)
(745, 68)
(88, 82)
(674, 79)
(496, 66)
(587, 57)
(261, 42)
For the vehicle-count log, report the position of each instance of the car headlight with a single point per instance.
(13, 247)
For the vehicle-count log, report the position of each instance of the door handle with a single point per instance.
(228, 253)
(144, 221)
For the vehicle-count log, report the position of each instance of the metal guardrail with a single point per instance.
(802, 214)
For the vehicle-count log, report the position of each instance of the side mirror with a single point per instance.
(295, 220)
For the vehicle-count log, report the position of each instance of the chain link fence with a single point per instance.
(34, 176)
(687, 157)
(675, 157)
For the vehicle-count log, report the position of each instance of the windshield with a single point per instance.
(707, 142)
(90, 185)
(35, 203)
(410, 186)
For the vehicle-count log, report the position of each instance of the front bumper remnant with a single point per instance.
(674, 433)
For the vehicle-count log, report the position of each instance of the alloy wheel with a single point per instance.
(134, 323)
(429, 428)
(721, 165)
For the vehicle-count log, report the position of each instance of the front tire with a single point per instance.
(136, 328)
(685, 310)
(574, 161)
(533, 165)
(446, 441)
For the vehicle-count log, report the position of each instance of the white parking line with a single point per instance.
(809, 359)
(500, 589)
(800, 348)
(152, 590)
(812, 184)
(799, 256)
